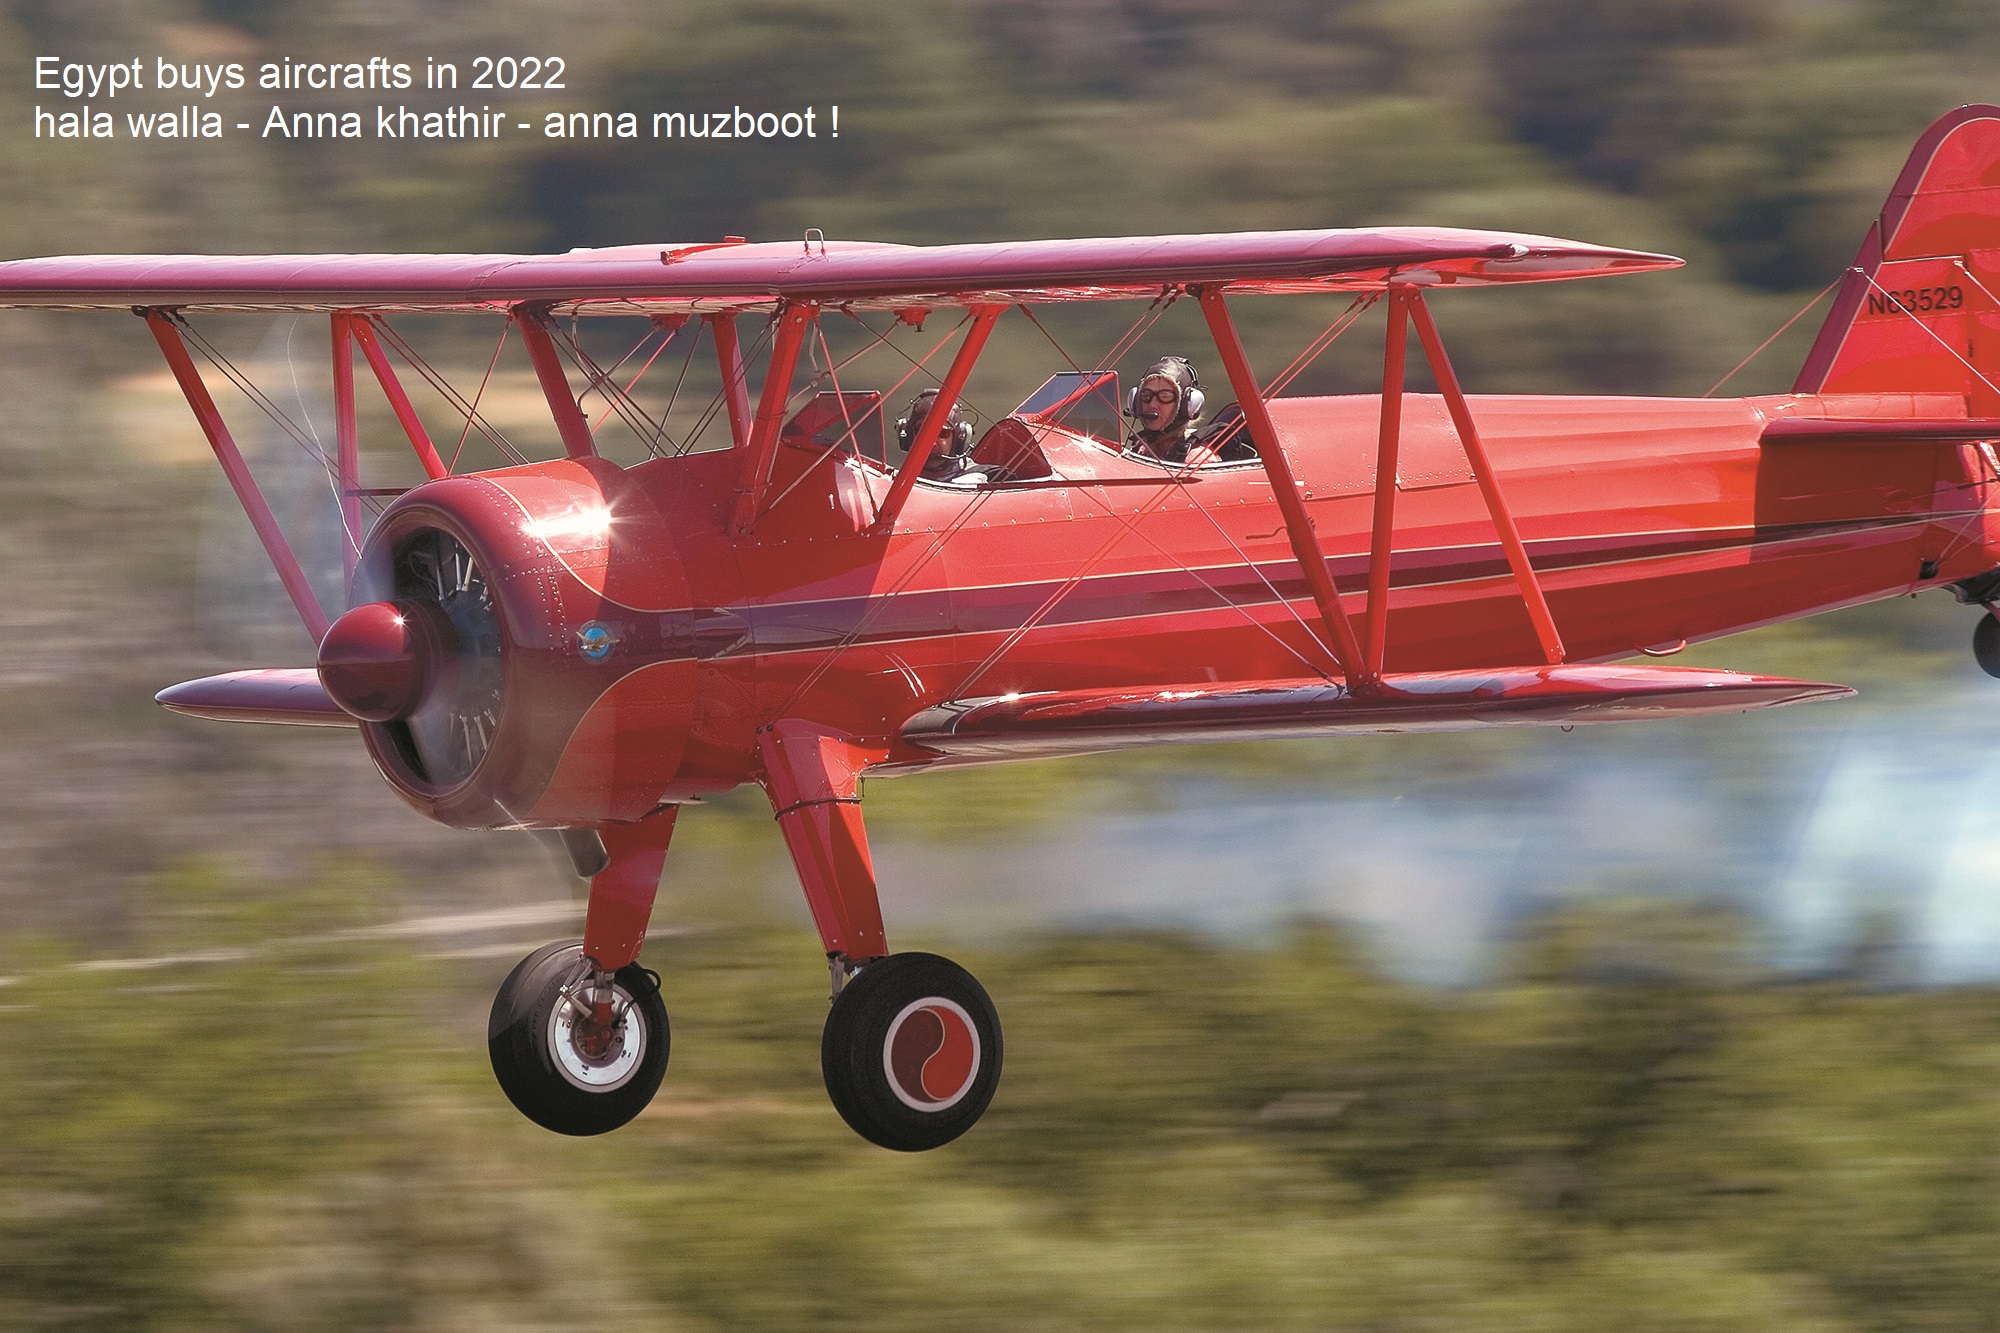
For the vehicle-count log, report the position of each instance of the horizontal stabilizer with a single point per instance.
(1060, 722)
(1817, 430)
(289, 695)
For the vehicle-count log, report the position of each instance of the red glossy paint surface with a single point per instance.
(621, 895)
(813, 777)
(377, 658)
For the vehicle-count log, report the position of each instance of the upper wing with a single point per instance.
(647, 279)
(1064, 722)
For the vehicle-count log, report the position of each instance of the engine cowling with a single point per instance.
(519, 655)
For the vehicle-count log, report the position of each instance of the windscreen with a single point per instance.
(1085, 401)
(846, 419)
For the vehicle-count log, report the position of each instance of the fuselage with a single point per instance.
(1650, 522)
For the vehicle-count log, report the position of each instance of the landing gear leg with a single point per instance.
(911, 1051)
(578, 1034)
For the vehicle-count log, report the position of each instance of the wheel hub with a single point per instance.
(931, 1054)
(595, 1032)
(594, 1043)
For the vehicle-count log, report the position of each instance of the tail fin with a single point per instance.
(1919, 310)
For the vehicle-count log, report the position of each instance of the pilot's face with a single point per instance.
(1159, 402)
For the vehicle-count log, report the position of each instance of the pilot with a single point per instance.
(951, 457)
(1226, 439)
(1167, 405)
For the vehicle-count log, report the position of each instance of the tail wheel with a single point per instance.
(911, 1052)
(1986, 644)
(572, 1055)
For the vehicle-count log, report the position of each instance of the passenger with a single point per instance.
(951, 457)
(1167, 405)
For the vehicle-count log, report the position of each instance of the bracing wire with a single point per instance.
(264, 403)
(248, 388)
(1758, 350)
(1932, 333)
(667, 412)
(1061, 351)
(443, 387)
(1069, 584)
(721, 398)
(880, 407)
(653, 443)
(1221, 598)
(1139, 328)
(350, 538)
(599, 380)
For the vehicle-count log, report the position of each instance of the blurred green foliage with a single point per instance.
(1637, 1129)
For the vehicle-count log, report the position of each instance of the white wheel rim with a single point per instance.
(937, 1069)
(628, 1042)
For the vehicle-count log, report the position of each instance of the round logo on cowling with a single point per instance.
(595, 641)
(931, 1054)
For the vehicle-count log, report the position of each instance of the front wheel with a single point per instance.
(911, 1052)
(572, 1056)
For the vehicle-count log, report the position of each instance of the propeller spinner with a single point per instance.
(425, 663)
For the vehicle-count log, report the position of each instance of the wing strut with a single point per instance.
(570, 422)
(399, 401)
(238, 472)
(1291, 502)
(813, 777)
(622, 893)
(927, 434)
(348, 442)
(1389, 440)
(735, 389)
(777, 391)
(1489, 485)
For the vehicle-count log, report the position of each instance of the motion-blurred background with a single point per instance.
(1684, 1026)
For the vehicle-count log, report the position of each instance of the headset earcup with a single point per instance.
(1192, 404)
(903, 434)
(1132, 402)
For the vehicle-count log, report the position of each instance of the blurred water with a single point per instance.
(1876, 829)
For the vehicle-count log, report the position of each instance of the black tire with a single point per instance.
(547, 1076)
(884, 1074)
(1986, 644)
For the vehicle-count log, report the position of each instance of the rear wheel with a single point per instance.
(572, 1055)
(1986, 644)
(911, 1052)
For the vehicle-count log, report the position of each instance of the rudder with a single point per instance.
(1919, 309)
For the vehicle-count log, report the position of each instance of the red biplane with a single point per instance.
(578, 646)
